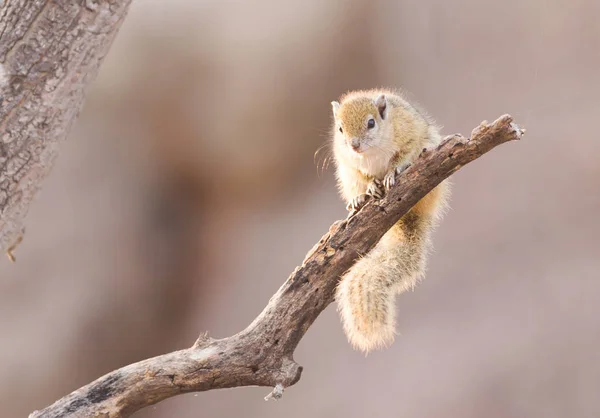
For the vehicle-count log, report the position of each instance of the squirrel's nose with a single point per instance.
(355, 144)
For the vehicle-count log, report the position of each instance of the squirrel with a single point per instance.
(376, 135)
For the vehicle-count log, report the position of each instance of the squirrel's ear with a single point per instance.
(381, 104)
(335, 106)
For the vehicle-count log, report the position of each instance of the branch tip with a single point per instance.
(519, 132)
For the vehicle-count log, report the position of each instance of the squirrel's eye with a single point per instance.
(371, 123)
(341, 130)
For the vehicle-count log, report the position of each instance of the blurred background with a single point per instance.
(189, 191)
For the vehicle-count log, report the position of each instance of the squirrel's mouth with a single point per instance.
(356, 144)
(360, 149)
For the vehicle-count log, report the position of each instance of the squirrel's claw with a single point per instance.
(376, 189)
(357, 203)
(390, 178)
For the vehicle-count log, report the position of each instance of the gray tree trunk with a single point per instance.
(50, 51)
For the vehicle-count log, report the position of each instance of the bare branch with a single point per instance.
(262, 354)
(50, 50)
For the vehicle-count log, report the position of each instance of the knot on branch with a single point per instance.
(289, 373)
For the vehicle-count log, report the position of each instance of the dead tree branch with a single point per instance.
(262, 354)
(50, 50)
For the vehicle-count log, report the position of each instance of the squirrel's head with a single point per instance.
(361, 122)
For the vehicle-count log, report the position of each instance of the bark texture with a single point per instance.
(50, 50)
(262, 354)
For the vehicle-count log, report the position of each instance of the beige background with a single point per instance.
(188, 192)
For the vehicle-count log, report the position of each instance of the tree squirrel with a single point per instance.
(376, 135)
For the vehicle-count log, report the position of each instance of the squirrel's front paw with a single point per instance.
(357, 203)
(376, 189)
(390, 178)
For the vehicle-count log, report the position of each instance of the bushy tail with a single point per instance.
(366, 293)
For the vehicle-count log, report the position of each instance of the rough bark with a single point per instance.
(262, 354)
(50, 50)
